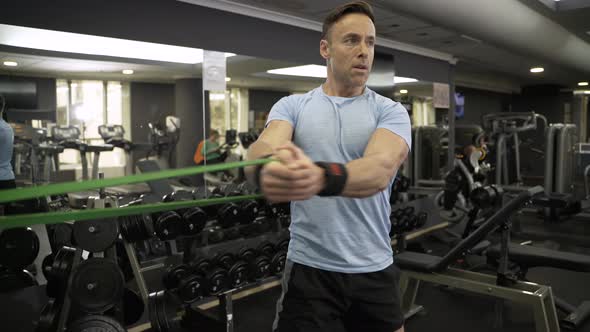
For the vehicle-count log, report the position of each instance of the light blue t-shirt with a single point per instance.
(6, 146)
(341, 234)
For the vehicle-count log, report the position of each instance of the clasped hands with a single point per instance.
(293, 177)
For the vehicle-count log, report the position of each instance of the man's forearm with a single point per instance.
(369, 175)
(257, 150)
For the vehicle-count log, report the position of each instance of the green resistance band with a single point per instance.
(24, 220)
(12, 195)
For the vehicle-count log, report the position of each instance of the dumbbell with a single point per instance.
(259, 267)
(277, 263)
(249, 209)
(194, 218)
(228, 214)
(237, 269)
(215, 278)
(215, 235)
(422, 218)
(188, 286)
(258, 263)
(266, 248)
(247, 254)
(275, 210)
(283, 245)
(167, 224)
(232, 233)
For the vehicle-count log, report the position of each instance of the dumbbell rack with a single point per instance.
(195, 316)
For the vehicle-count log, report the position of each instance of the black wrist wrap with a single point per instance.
(258, 169)
(336, 176)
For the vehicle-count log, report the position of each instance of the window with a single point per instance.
(87, 105)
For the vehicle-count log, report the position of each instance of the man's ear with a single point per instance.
(325, 49)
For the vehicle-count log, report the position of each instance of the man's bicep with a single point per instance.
(276, 133)
(387, 145)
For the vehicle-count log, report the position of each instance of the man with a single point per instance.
(339, 274)
(211, 148)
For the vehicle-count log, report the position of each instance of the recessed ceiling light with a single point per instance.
(582, 83)
(128, 71)
(227, 79)
(404, 91)
(587, 92)
(537, 70)
(10, 63)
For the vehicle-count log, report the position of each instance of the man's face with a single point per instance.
(214, 138)
(350, 49)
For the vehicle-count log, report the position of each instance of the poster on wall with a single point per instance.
(440, 96)
(214, 71)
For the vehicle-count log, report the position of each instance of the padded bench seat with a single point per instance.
(529, 256)
(416, 261)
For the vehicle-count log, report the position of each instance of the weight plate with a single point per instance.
(194, 220)
(18, 247)
(97, 285)
(190, 289)
(277, 264)
(133, 307)
(15, 280)
(46, 265)
(96, 235)
(49, 317)
(95, 323)
(166, 309)
(62, 235)
(152, 312)
(62, 264)
(238, 274)
(174, 274)
(217, 281)
(167, 225)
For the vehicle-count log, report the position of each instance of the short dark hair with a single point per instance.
(335, 15)
(213, 132)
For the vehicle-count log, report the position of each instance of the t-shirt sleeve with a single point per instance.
(394, 117)
(284, 109)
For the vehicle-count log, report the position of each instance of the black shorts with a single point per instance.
(318, 300)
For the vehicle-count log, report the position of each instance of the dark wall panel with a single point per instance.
(150, 102)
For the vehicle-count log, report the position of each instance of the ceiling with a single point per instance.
(473, 53)
(482, 64)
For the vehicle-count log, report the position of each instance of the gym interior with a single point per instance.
(489, 212)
